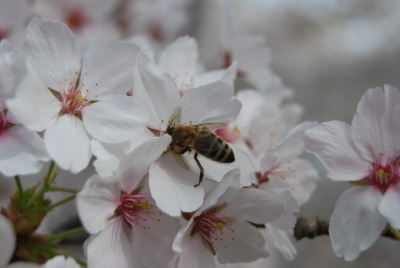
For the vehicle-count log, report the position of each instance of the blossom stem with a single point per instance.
(19, 185)
(49, 173)
(81, 263)
(394, 231)
(20, 191)
(46, 185)
(61, 236)
(62, 189)
(59, 203)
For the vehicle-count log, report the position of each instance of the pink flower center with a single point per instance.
(229, 134)
(136, 210)
(4, 124)
(73, 102)
(228, 59)
(75, 18)
(211, 226)
(382, 175)
(262, 177)
(3, 33)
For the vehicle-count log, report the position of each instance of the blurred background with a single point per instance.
(329, 52)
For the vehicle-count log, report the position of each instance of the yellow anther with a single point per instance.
(145, 204)
(78, 97)
(380, 173)
(219, 226)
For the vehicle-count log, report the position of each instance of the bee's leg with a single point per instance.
(183, 151)
(201, 170)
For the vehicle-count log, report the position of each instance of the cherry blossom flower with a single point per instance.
(61, 262)
(13, 17)
(181, 60)
(21, 149)
(160, 20)
(74, 103)
(171, 179)
(87, 19)
(8, 241)
(250, 52)
(126, 226)
(261, 121)
(365, 153)
(221, 228)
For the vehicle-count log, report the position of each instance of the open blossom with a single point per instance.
(181, 60)
(367, 154)
(13, 17)
(159, 20)
(8, 241)
(171, 179)
(221, 228)
(74, 103)
(250, 52)
(87, 19)
(128, 230)
(21, 149)
(261, 120)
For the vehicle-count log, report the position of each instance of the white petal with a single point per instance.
(376, 124)
(172, 186)
(157, 90)
(68, 143)
(154, 245)
(292, 144)
(108, 156)
(225, 75)
(12, 67)
(112, 247)
(245, 244)
(270, 157)
(195, 254)
(116, 118)
(21, 151)
(254, 205)
(389, 206)
(332, 143)
(356, 222)
(136, 164)
(180, 58)
(280, 189)
(97, 202)
(281, 239)
(109, 72)
(226, 190)
(34, 105)
(61, 262)
(8, 240)
(212, 103)
(301, 176)
(54, 53)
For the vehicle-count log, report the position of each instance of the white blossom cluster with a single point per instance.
(114, 81)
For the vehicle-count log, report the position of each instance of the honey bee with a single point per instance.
(202, 140)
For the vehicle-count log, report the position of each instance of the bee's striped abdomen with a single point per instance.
(217, 149)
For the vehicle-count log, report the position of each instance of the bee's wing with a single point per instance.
(213, 126)
(207, 144)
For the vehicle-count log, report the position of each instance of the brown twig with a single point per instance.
(312, 227)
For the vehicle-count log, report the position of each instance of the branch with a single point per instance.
(313, 227)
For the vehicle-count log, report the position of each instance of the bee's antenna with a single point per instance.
(169, 125)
